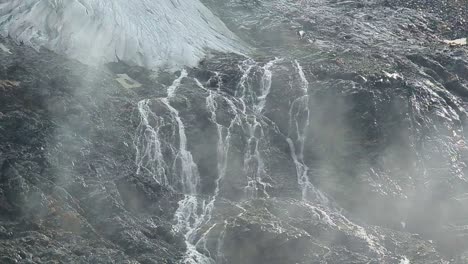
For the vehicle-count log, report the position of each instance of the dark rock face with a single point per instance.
(311, 235)
(69, 192)
(453, 13)
(347, 148)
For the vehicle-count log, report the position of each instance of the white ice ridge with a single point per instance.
(149, 33)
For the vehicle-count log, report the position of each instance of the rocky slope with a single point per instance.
(340, 140)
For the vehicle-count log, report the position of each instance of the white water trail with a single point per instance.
(189, 173)
(187, 215)
(172, 89)
(188, 218)
(189, 222)
(149, 156)
(212, 106)
(222, 150)
(223, 133)
(254, 166)
(265, 86)
(244, 92)
(215, 78)
(192, 213)
(299, 114)
(220, 244)
(253, 162)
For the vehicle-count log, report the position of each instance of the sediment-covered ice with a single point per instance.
(149, 33)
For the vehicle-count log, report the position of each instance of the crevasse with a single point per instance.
(150, 33)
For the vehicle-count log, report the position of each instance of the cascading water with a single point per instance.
(299, 114)
(193, 217)
(191, 212)
(229, 169)
(222, 150)
(224, 136)
(188, 218)
(149, 154)
(254, 166)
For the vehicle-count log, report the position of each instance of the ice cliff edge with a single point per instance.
(149, 33)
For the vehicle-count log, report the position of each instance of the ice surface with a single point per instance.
(149, 33)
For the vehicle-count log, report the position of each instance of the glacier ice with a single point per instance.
(150, 33)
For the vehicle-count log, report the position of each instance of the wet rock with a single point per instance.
(382, 130)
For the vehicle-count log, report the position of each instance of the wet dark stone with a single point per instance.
(385, 143)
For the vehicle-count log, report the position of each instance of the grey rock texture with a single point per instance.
(368, 101)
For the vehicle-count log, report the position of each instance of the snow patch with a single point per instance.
(170, 33)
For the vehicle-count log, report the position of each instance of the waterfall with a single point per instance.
(253, 162)
(145, 32)
(148, 144)
(254, 167)
(224, 136)
(188, 218)
(192, 212)
(246, 108)
(299, 114)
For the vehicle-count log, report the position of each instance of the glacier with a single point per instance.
(149, 33)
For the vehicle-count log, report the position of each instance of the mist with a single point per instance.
(229, 132)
